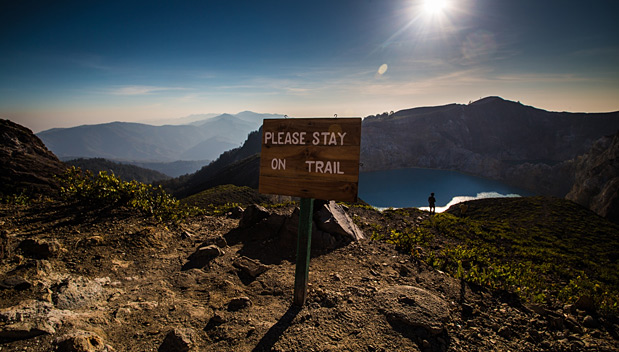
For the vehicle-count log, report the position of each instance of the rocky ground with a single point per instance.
(84, 280)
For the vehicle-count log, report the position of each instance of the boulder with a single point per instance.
(333, 219)
(414, 307)
(252, 215)
(73, 293)
(272, 236)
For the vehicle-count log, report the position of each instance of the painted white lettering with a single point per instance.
(341, 137)
(337, 168)
(278, 164)
(267, 136)
(319, 166)
(328, 168)
(279, 137)
(332, 140)
(324, 167)
(325, 135)
(288, 139)
(316, 139)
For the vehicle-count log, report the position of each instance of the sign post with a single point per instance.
(304, 245)
(310, 158)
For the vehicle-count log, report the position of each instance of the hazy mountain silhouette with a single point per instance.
(123, 141)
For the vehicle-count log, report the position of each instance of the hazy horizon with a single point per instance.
(73, 63)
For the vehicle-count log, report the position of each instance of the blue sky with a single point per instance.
(66, 63)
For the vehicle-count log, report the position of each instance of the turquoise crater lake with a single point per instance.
(411, 187)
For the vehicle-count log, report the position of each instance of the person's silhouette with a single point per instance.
(431, 201)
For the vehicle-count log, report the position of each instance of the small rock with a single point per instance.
(177, 340)
(589, 322)
(185, 235)
(250, 267)
(235, 213)
(218, 241)
(17, 283)
(504, 332)
(585, 303)
(82, 341)
(239, 303)
(25, 330)
(216, 320)
(202, 257)
(39, 249)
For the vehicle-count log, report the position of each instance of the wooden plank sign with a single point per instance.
(311, 158)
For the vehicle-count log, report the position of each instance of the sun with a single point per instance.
(435, 7)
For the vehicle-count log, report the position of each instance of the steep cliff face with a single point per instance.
(492, 138)
(596, 183)
(26, 165)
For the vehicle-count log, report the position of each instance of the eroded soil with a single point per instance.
(118, 277)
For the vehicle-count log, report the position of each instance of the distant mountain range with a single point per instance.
(122, 141)
(549, 153)
(495, 138)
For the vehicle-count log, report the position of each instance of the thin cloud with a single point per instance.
(140, 90)
(542, 78)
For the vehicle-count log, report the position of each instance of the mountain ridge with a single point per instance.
(138, 142)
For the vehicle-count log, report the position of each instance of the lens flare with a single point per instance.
(382, 69)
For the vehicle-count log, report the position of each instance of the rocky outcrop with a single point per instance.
(26, 165)
(271, 237)
(596, 183)
(492, 138)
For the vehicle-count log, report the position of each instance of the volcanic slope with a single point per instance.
(75, 276)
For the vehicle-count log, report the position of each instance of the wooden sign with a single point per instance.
(311, 158)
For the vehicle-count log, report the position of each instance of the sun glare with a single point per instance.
(434, 7)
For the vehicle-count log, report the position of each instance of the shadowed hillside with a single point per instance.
(26, 165)
(125, 172)
(239, 166)
(495, 138)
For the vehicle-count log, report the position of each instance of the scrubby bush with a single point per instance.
(107, 190)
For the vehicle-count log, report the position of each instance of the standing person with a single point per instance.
(431, 201)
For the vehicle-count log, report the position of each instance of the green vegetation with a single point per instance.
(17, 199)
(409, 239)
(125, 172)
(225, 196)
(106, 190)
(545, 249)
